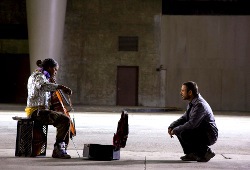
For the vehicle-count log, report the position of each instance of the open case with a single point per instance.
(110, 152)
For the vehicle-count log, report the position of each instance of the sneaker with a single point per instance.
(189, 157)
(208, 155)
(60, 151)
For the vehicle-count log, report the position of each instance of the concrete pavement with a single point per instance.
(148, 147)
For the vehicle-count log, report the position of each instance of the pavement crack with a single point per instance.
(225, 156)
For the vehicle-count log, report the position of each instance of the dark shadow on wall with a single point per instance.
(15, 70)
(205, 7)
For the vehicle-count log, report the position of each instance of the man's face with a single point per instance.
(184, 93)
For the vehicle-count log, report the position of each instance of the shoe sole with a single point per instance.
(61, 157)
(207, 157)
(183, 158)
(189, 159)
(210, 156)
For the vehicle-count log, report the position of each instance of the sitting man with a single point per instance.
(39, 104)
(196, 128)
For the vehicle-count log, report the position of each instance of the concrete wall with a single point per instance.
(211, 50)
(91, 53)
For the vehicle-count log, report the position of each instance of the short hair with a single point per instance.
(192, 86)
(46, 63)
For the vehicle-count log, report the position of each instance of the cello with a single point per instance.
(61, 103)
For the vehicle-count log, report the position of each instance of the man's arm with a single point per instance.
(176, 123)
(197, 114)
(179, 121)
(43, 84)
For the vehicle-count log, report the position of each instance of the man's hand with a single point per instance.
(171, 132)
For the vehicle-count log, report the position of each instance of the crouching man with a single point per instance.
(196, 128)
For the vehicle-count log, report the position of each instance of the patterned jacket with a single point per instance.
(39, 89)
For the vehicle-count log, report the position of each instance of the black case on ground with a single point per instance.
(100, 152)
(109, 152)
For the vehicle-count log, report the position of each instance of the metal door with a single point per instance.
(127, 86)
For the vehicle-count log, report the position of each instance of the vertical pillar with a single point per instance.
(45, 29)
(163, 72)
(163, 88)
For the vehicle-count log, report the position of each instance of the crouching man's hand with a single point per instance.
(171, 132)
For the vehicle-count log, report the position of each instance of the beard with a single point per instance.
(185, 97)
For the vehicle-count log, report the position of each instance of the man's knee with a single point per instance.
(192, 136)
(185, 134)
(66, 119)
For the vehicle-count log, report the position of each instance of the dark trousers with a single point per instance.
(57, 119)
(194, 141)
